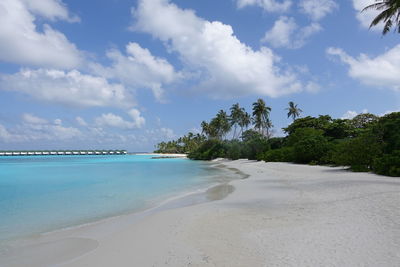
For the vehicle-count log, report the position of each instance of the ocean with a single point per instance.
(44, 193)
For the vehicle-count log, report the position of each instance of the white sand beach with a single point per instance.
(282, 215)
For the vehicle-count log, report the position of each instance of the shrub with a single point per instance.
(284, 154)
(388, 164)
(234, 150)
(309, 145)
(276, 142)
(209, 150)
(254, 144)
(359, 153)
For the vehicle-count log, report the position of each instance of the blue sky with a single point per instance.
(128, 74)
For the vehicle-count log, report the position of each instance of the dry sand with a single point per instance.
(282, 215)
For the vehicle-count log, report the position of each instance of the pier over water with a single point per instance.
(61, 152)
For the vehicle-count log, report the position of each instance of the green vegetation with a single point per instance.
(365, 143)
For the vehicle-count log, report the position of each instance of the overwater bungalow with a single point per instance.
(65, 152)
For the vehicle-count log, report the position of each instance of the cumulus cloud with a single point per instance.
(286, 33)
(267, 5)
(349, 115)
(32, 119)
(312, 87)
(22, 43)
(379, 71)
(115, 121)
(50, 9)
(7, 137)
(365, 18)
(81, 121)
(161, 134)
(67, 87)
(34, 128)
(227, 67)
(139, 69)
(317, 9)
(138, 120)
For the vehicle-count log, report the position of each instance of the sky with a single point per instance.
(119, 74)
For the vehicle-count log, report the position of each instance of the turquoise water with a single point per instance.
(40, 194)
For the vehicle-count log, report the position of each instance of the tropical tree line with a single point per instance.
(232, 126)
(365, 143)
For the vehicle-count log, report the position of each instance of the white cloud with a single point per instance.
(388, 112)
(139, 69)
(138, 120)
(29, 118)
(22, 43)
(227, 67)
(380, 71)
(161, 134)
(7, 137)
(168, 133)
(115, 121)
(317, 9)
(68, 88)
(267, 5)
(81, 121)
(286, 33)
(349, 115)
(34, 128)
(365, 18)
(313, 87)
(50, 9)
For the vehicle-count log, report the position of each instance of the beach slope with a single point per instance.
(282, 215)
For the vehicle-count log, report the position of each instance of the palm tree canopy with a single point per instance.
(390, 14)
(293, 110)
(261, 115)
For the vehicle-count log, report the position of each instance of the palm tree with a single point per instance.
(261, 116)
(390, 13)
(220, 124)
(235, 117)
(294, 111)
(244, 121)
(206, 129)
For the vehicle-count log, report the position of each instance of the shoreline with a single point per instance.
(215, 191)
(163, 155)
(283, 215)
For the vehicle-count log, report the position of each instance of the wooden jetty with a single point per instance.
(10, 153)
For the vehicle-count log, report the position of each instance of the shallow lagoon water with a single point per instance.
(45, 193)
